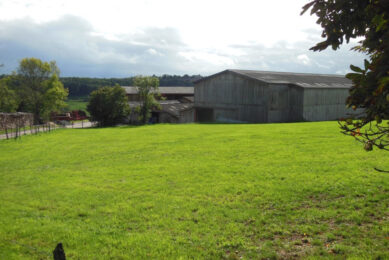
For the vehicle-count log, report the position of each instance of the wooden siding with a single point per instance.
(296, 104)
(186, 116)
(325, 104)
(278, 103)
(232, 98)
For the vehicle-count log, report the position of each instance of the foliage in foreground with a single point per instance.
(344, 20)
(108, 106)
(193, 191)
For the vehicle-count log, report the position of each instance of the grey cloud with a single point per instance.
(71, 41)
(79, 52)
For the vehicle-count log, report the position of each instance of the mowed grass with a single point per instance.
(193, 191)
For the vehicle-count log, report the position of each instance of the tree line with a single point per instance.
(36, 87)
(79, 87)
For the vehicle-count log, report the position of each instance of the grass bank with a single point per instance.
(193, 191)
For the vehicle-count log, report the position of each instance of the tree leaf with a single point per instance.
(367, 64)
(356, 69)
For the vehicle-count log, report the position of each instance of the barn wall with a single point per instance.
(278, 103)
(296, 104)
(232, 98)
(325, 104)
(186, 116)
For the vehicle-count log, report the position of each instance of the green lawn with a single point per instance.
(193, 191)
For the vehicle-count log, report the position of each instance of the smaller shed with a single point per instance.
(176, 105)
(175, 113)
(167, 93)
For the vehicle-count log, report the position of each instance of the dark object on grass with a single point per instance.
(59, 253)
(379, 170)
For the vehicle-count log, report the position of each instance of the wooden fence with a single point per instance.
(13, 125)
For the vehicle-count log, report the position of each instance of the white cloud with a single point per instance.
(201, 23)
(119, 38)
(152, 51)
(304, 59)
(206, 57)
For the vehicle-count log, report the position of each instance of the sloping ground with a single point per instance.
(193, 191)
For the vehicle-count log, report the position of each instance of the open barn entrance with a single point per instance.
(154, 118)
(204, 115)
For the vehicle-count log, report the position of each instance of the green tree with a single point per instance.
(147, 91)
(38, 87)
(349, 19)
(8, 98)
(108, 105)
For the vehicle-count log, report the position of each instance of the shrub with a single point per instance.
(108, 106)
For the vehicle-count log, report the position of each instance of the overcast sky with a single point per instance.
(121, 38)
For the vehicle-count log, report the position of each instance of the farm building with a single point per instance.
(176, 105)
(259, 97)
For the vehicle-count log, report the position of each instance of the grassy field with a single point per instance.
(77, 103)
(194, 191)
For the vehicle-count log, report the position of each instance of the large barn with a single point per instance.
(260, 97)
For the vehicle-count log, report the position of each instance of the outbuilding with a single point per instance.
(262, 96)
(175, 105)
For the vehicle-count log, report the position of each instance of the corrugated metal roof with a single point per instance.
(304, 80)
(163, 90)
(134, 104)
(173, 107)
(189, 98)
